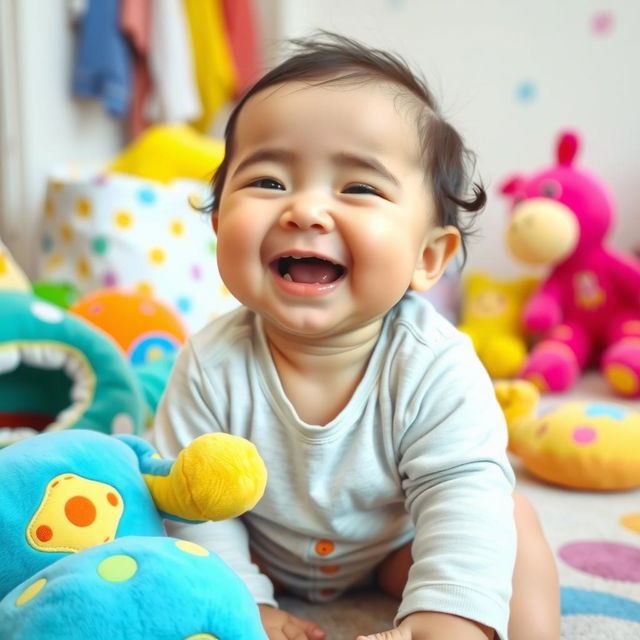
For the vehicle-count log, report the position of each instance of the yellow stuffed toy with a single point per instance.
(165, 152)
(581, 445)
(491, 317)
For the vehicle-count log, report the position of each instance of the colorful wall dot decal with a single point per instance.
(575, 601)
(584, 435)
(526, 92)
(196, 272)
(118, 568)
(631, 521)
(31, 592)
(602, 23)
(610, 560)
(192, 548)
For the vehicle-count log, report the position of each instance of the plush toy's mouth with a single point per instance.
(308, 269)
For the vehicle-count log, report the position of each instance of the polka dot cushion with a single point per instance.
(115, 230)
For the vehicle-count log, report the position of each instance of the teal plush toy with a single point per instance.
(84, 551)
(58, 372)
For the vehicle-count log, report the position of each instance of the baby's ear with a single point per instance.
(214, 222)
(438, 249)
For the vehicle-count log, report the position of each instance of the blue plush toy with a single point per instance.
(84, 552)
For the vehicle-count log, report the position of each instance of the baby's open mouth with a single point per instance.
(308, 270)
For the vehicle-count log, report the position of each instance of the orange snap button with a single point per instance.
(324, 547)
(330, 568)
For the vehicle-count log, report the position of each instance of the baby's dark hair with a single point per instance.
(332, 58)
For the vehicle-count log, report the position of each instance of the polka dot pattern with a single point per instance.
(31, 592)
(122, 231)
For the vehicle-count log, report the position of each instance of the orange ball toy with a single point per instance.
(144, 328)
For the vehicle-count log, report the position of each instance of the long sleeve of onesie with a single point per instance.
(458, 491)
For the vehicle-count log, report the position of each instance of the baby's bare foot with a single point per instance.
(281, 625)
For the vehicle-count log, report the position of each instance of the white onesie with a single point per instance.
(419, 450)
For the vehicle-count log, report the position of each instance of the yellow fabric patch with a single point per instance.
(31, 592)
(75, 514)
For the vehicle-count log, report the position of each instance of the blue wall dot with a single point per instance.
(526, 91)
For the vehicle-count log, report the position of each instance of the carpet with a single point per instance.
(595, 537)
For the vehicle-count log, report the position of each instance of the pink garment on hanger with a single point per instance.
(135, 22)
(242, 33)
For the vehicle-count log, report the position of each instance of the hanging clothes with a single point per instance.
(135, 22)
(174, 97)
(215, 74)
(242, 32)
(103, 63)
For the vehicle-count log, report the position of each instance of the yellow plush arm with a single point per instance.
(217, 476)
(519, 401)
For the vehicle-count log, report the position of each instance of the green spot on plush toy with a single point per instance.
(84, 551)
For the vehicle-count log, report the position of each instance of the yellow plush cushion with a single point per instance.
(581, 445)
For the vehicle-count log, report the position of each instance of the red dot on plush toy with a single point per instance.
(80, 511)
(44, 533)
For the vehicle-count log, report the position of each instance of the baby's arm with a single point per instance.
(458, 487)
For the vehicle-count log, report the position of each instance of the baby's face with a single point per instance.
(324, 214)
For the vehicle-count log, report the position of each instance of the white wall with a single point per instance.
(476, 55)
(47, 127)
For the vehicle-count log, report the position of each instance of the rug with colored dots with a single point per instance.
(596, 540)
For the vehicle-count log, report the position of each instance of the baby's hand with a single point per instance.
(281, 625)
(425, 625)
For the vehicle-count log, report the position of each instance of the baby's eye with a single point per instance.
(362, 189)
(267, 183)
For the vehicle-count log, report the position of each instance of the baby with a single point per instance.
(337, 200)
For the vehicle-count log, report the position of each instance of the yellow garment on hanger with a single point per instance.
(214, 70)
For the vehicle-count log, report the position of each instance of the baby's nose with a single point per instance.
(308, 212)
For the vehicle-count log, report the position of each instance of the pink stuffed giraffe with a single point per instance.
(587, 311)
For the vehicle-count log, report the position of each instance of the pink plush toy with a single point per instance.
(587, 311)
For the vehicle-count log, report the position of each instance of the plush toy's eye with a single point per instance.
(550, 189)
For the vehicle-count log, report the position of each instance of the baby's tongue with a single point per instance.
(312, 270)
